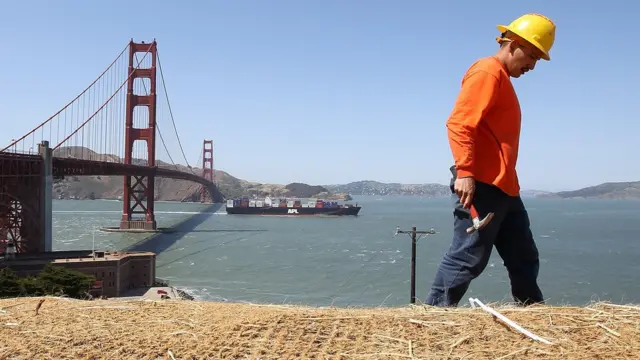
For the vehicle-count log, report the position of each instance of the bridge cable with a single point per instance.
(164, 86)
(103, 105)
(70, 103)
(157, 126)
(189, 186)
(165, 147)
(192, 184)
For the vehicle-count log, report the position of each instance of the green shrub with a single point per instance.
(31, 286)
(58, 280)
(9, 284)
(53, 280)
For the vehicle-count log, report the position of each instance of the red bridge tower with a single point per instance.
(207, 169)
(140, 189)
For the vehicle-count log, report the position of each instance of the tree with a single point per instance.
(53, 280)
(9, 283)
(60, 280)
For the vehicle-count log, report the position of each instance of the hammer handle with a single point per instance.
(474, 212)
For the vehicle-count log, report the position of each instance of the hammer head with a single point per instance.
(479, 224)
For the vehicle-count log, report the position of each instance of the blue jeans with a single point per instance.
(468, 256)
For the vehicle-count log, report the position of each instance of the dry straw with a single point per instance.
(73, 329)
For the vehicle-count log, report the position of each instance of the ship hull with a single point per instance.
(298, 211)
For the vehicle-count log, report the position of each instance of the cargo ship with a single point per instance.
(290, 207)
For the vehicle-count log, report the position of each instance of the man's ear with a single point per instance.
(512, 46)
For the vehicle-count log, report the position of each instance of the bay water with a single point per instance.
(589, 250)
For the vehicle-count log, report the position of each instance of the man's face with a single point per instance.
(524, 57)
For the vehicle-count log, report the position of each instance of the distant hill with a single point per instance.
(534, 193)
(376, 188)
(610, 190)
(111, 187)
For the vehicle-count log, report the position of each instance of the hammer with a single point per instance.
(475, 217)
(477, 223)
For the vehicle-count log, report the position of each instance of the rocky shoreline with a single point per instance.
(181, 293)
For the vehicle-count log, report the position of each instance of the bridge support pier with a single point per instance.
(46, 198)
(140, 189)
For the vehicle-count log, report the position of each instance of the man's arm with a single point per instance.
(479, 89)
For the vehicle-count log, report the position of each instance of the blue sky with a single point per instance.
(337, 91)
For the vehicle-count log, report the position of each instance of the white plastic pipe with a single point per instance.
(507, 321)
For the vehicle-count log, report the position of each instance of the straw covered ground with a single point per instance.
(169, 329)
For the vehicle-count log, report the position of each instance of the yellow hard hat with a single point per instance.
(536, 29)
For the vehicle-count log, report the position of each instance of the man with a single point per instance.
(484, 132)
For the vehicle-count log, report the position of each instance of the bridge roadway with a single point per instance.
(22, 165)
(81, 167)
(26, 191)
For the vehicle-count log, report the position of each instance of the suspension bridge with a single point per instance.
(109, 129)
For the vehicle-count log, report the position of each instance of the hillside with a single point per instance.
(380, 189)
(111, 187)
(534, 193)
(610, 190)
(64, 328)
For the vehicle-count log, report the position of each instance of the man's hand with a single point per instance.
(465, 188)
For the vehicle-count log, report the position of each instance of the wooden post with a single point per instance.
(414, 242)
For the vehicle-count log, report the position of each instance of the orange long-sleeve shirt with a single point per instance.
(484, 126)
